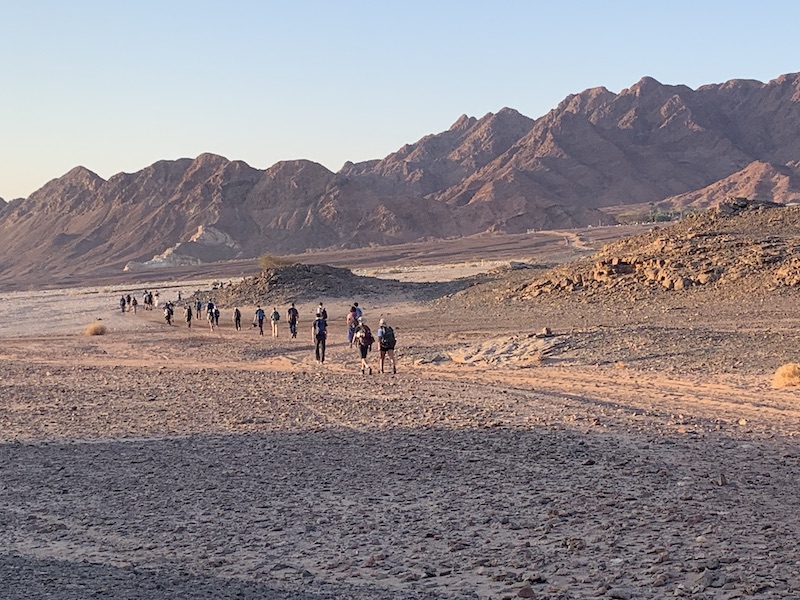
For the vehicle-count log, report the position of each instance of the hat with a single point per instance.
(360, 319)
(382, 322)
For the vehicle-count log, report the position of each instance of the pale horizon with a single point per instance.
(117, 88)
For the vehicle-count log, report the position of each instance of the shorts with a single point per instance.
(385, 350)
(364, 350)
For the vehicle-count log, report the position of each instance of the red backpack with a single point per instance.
(366, 336)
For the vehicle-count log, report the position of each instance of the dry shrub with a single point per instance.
(270, 261)
(787, 375)
(96, 329)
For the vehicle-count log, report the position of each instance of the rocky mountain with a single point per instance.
(758, 181)
(684, 148)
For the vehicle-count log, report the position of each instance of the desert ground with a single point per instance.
(639, 451)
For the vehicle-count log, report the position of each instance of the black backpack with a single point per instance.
(387, 339)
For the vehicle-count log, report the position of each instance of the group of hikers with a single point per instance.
(130, 303)
(359, 333)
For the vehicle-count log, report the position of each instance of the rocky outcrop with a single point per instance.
(740, 241)
(302, 283)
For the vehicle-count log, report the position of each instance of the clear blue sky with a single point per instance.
(116, 86)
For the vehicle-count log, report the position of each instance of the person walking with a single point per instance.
(273, 319)
(216, 315)
(359, 312)
(198, 308)
(122, 303)
(364, 340)
(258, 319)
(134, 304)
(321, 312)
(237, 319)
(187, 314)
(319, 334)
(352, 323)
(293, 317)
(386, 343)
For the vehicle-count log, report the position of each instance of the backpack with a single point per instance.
(276, 316)
(320, 326)
(387, 339)
(366, 336)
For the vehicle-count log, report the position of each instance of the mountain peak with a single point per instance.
(463, 122)
(646, 85)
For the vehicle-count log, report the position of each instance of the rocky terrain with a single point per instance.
(665, 147)
(614, 440)
(309, 282)
(747, 245)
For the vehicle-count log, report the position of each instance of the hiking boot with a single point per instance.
(394, 369)
(370, 370)
(362, 370)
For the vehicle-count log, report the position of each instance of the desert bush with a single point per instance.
(787, 375)
(96, 329)
(270, 261)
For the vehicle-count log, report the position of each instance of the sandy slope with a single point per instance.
(172, 463)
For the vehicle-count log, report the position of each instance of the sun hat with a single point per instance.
(382, 322)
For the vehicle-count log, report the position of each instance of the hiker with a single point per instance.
(122, 303)
(237, 319)
(363, 339)
(359, 312)
(293, 318)
(321, 312)
(216, 316)
(188, 316)
(319, 334)
(156, 299)
(128, 301)
(134, 303)
(386, 343)
(210, 318)
(258, 320)
(352, 323)
(179, 295)
(273, 319)
(168, 313)
(198, 307)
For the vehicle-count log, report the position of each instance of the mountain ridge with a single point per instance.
(503, 172)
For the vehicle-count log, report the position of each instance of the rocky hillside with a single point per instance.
(758, 180)
(740, 247)
(651, 143)
(304, 283)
